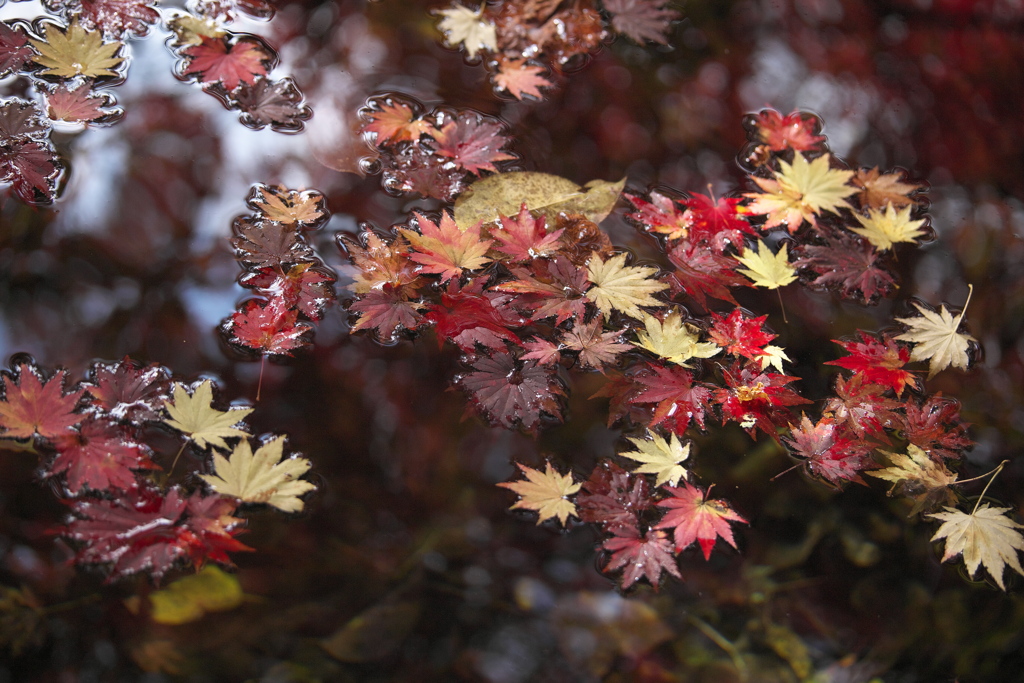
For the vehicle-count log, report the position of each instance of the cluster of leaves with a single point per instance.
(72, 56)
(290, 283)
(431, 154)
(530, 288)
(518, 42)
(104, 439)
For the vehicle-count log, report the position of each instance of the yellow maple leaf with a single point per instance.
(660, 457)
(261, 477)
(290, 207)
(917, 475)
(986, 537)
(463, 26)
(190, 30)
(673, 340)
(886, 228)
(766, 269)
(76, 52)
(545, 492)
(194, 415)
(773, 356)
(801, 190)
(621, 287)
(936, 338)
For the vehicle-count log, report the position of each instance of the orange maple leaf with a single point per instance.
(444, 249)
(396, 122)
(35, 407)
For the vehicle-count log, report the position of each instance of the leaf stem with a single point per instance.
(960, 318)
(175, 462)
(994, 474)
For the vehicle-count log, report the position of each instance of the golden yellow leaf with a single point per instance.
(660, 457)
(545, 492)
(189, 598)
(194, 415)
(76, 52)
(673, 340)
(463, 26)
(986, 537)
(936, 338)
(801, 190)
(290, 207)
(621, 287)
(886, 228)
(261, 477)
(766, 269)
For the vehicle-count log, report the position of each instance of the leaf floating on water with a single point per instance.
(549, 195)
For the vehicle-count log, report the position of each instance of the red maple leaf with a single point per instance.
(847, 264)
(701, 273)
(661, 215)
(694, 518)
(472, 143)
(15, 50)
(680, 401)
(444, 248)
(596, 347)
(510, 392)
(20, 119)
(548, 288)
(215, 61)
(717, 224)
(117, 17)
(640, 556)
(829, 449)
(100, 456)
(209, 529)
(270, 327)
(880, 361)
(863, 406)
(381, 263)
(757, 399)
(798, 131)
(136, 532)
(392, 122)
(613, 497)
(414, 168)
(524, 237)
(386, 311)
(641, 20)
(125, 390)
(34, 406)
(543, 351)
(468, 317)
(739, 334)
(277, 104)
(519, 78)
(78, 105)
(935, 427)
(303, 287)
(31, 168)
(621, 390)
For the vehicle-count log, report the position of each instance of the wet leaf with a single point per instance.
(261, 477)
(374, 634)
(189, 598)
(76, 52)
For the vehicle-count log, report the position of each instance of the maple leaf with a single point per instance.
(380, 264)
(863, 406)
(99, 456)
(509, 392)
(265, 244)
(115, 17)
(552, 287)
(443, 248)
(673, 339)
(878, 190)
(829, 449)
(189, 29)
(694, 518)
(76, 52)
(800, 191)
(32, 169)
(472, 143)
(462, 26)
(880, 361)
(547, 493)
(620, 287)
(702, 273)
(261, 477)
(887, 228)
(392, 122)
(270, 327)
(596, 347)
(613, 497)
(209, 528)
(416, 168)
(936, 427)
(660, 215)
(660, 457)
(305, 208)
(386, 311)
(739, 334)
(80, 104)
(125, 390)
(641, 20)
(468, 317)
(518, 77)
(15, 50)
(757, 399)
(798, 131)
(985, 537)
(543, 351)
(215, 60)
(193, 414)
(640, 556)
(718, 223)
(278, 104)
(21, 120)
(302, 287)
(766, 269)
(773, 356)
(916, 475)
(524, 237)
(849, 264)
(34, 406)
(679, 400)
(936, 338)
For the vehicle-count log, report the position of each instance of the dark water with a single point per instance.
(407, 530)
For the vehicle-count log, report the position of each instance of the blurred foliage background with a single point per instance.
(407, 565)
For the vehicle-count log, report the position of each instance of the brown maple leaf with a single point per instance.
(34, 406)
(879, 189)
